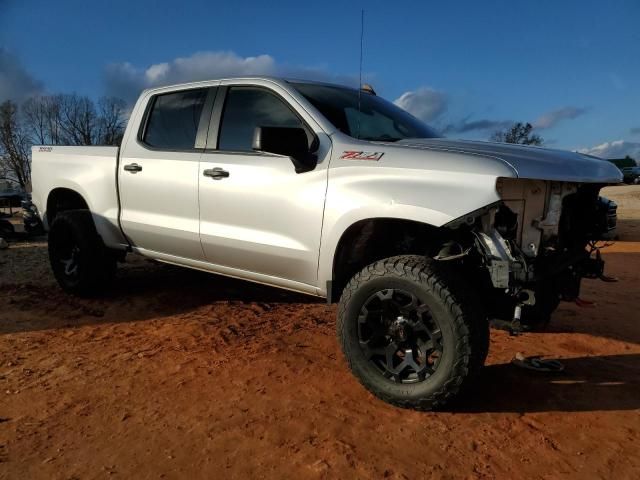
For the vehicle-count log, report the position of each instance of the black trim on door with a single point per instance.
(216, 117)
(205, 118)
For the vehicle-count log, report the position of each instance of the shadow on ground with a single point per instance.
(151, 291)
(593, 383)
(146, 290)
(628, 230)
(143, 291)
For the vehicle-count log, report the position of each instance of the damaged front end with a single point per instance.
(536, 245)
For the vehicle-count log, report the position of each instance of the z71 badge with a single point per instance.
(353, 155)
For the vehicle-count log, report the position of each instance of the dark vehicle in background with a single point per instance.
(9, 200)
(11, 203)
(6, 228)
(631, 175)
(32, 222)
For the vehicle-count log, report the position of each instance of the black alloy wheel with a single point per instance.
(412, 331)
(399, 336)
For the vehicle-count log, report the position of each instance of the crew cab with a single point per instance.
(335, 192)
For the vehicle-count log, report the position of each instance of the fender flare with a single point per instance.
(331, 237)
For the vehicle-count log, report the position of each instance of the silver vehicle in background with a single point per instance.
(337, 193)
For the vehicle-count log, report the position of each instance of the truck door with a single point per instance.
(158, 174)
(257, 215)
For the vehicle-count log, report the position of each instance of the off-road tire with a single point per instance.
(94, 265)
(464, 326)
(6, 229)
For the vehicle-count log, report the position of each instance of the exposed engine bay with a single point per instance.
(536, 245)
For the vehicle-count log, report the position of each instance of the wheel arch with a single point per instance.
(371, 239)
(61, 199)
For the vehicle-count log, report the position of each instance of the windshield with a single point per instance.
(376, 119)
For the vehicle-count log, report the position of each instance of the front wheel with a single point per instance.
(79, 260)
(409, 333)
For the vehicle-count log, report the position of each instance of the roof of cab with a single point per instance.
(277, 80)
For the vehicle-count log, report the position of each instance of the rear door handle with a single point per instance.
(133, 168)
(216, 173)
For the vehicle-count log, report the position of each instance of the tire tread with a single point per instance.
(100, 261)
(472, 330)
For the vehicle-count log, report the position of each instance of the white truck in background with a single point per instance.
(337, 193)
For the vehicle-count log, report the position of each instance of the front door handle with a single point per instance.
(216, 173)
(133, 168)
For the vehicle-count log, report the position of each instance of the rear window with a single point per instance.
(174, 118)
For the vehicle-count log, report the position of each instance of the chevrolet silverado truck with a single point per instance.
(337, 193)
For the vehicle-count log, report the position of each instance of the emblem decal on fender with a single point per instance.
(354, 155)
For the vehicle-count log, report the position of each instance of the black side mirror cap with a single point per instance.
(289, 141)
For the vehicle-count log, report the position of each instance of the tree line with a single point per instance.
(62, 119)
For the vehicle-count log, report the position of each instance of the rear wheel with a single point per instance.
(79, 260)
(6, 229)
(407, 336)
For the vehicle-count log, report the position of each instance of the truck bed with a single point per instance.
(89, 171)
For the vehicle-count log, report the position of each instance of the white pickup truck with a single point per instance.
(335, 192)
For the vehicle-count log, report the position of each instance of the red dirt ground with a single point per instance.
(179, 374)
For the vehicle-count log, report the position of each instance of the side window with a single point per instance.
(246, 108)
(174, 118)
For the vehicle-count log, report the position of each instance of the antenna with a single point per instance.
(360, 78)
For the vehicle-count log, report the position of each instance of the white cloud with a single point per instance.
(125, 80)
(424, 103)
(615, 149)
(550, 119)
(15, 82)
(155, 73)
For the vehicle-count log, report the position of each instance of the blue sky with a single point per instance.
(572, 68)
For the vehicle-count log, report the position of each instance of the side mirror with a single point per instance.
(289, 141)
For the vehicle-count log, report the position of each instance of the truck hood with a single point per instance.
(527, 161)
